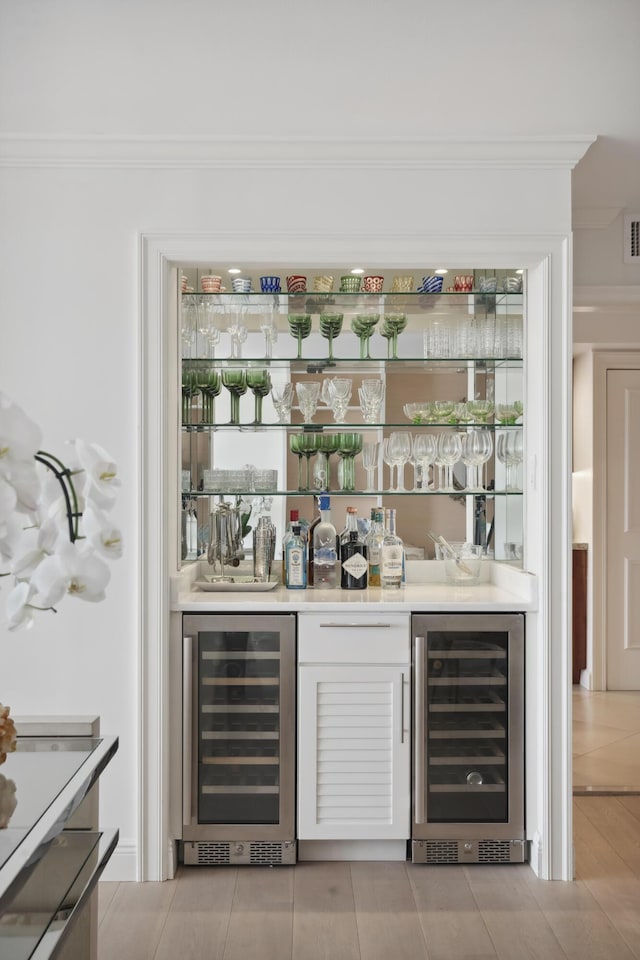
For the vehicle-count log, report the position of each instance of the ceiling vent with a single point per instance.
(632, 238)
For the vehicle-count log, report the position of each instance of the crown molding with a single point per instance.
(594, 218)
(177, 152)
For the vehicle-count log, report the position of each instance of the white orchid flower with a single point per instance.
(8, 499)
(36, 544)
(101, 474)
(71, 569)
(20, 438)
(101, 534)
(11, 530)
(19, 612)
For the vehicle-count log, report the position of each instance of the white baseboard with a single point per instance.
(352, 849)
(123, 865)
(586, 680)
(535, 854)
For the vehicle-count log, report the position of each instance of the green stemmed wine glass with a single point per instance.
(394, 324)
(308, 447)
(210, 386)
(300, 328)
(362, 325)
(189, 389)
(259, 382)
(295, 445)
(348, 445)
(236, 383)
(327, 444)
(330, 327)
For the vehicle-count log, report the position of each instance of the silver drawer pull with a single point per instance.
(367, 626)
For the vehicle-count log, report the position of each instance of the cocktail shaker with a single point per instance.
(264, 542)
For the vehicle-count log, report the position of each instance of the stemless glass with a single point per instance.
(300, 328)
(259, 382)
(449, 451)
(308, 392)
(235, 382)
(330, 327)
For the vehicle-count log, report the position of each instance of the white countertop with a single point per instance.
(502, 588)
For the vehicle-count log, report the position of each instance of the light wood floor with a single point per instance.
(393, 911)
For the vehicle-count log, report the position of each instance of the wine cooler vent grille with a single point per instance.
(442, 851)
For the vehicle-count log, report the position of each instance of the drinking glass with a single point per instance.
(308, 446)
(259, 382)
(393, 324)
(424, 452)
(190, 388)
(477, 447)
(348, 445)
(208, 323)
(235, 382)
(330, 327)
(371, 395)
(480, 410)
(442, 410)
(308, 393)
(295, 445)
(506, 413)
(388, 459)
(327, 444)
(210, 385)
(300, 328)
(238, 333)
(282, 397)
(362, 325)
(370, 462)
(509, 451)
(338, 393)
(270, 333)
(400, 451)
(188, 324)
(449, 451)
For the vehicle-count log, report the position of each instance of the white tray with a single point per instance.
(240, 584)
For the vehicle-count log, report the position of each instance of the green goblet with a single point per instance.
(362, 325)
(327, 444)
(295, 445)
(236, 383)
(210, 386)
(394, 323)
(300, 328)
(190, 388)
(348, 445)
(330, 327)
(259, 382)
(308, 448)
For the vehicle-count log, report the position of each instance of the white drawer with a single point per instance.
(360, 638)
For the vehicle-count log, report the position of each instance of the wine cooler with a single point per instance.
(468, 775)
(239, 739)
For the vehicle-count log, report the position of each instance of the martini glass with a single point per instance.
(235, 382)
(480, 410)
(330, 327)
(259, 382)
(300, 328)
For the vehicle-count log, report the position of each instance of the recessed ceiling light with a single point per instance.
(441, 270)
(357, 270)
(234, 270)
(520, 271)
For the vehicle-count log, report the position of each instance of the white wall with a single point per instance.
(68, 245)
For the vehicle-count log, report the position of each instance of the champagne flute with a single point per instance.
(188, 324)
(370, 452)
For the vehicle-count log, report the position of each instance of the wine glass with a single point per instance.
(282, 397)
(327, 444)
(190, 388)
(235, 382)
(300, 328)
(347, 446)
(400, 451)
(188, 324)
(330, 327)
(477, 447)
(308, 446)
(393, 324)
(210, 385)
(270, 333)
(509, 451)
(449, 451)
(238, 333)
(308, 392)
(207, 323)
(295, 445)
(339, 393)
(370, 452)
(424, 451)
(362, 325)
(259, 382)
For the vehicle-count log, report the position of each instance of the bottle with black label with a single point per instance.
(354, 573)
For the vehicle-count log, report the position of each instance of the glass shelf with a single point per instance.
(312, 302)
(341, 427)
(372, 365)
(489, 494)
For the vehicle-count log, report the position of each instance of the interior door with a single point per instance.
(623, 530)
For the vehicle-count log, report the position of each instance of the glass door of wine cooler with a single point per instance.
(469, 726)
(239, 725)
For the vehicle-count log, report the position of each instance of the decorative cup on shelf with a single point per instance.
(270, 284)
(323, 284)
(241, 284)
(183, 283)
(463, 284)
(402, 284)
(512, 284)
(296, 283)
(210, 284)
(430, 285)
(372, 284)
(349, 284)
(488, 284)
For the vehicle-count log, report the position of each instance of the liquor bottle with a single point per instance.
(325, 549)
(294, 517)
(296, 560)
(374, 544)
(391, 565)
(351, 523)
(310, 532)
(353, 556)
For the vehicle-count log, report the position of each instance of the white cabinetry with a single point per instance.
(353, 727)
